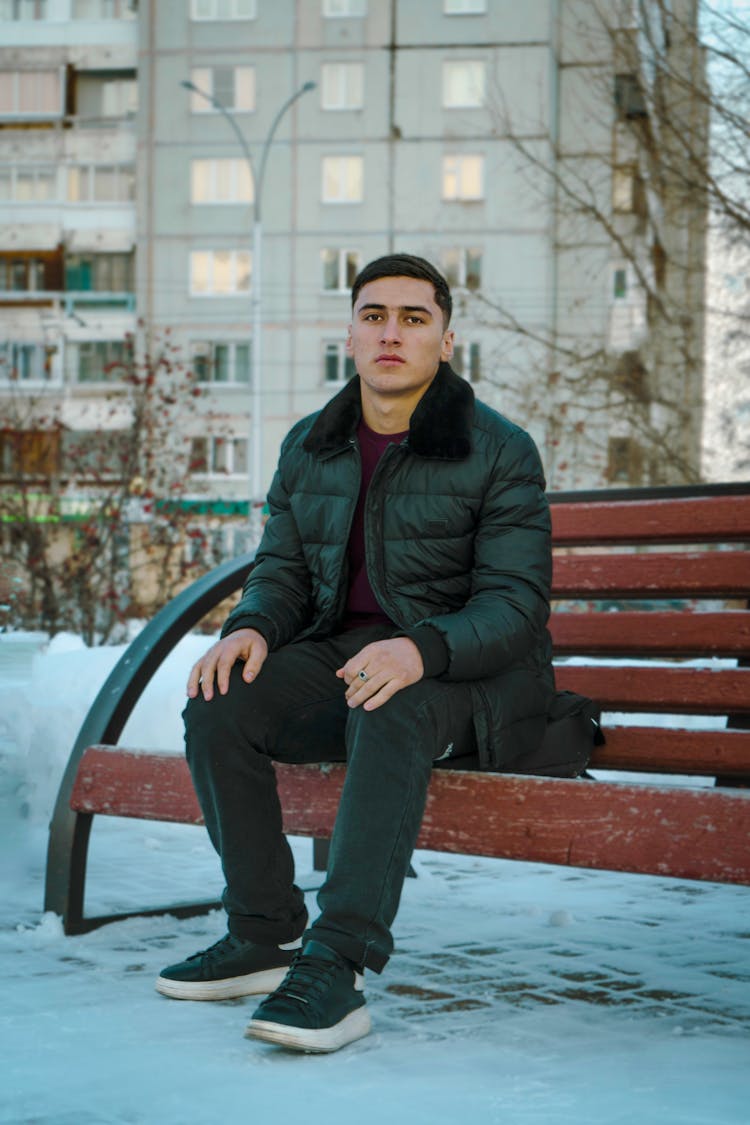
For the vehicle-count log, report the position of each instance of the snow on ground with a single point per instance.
(519, 993)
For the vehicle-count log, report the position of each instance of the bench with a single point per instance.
(651, 618)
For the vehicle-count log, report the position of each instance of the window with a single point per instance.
(223, 9)
(101, 183)
(624, 461)
(99, 273)
(104, 9)
(630, 103)
(462, 267)
(342, 85)
(22, 275)
(220, 273)
(226, 456)
(24, 363)
(467, 361)
(464, 84)
(340, 267)
(338, 367)
(232, 86)
(223, 362)
(464, 7)
(32, 183)
(106, 95)
(101, 361)
(223, 180)
(619, 284)
(463, 177)
(34, 453)
(342, 8)
(343, 179)
(23, 9)
(30, 93)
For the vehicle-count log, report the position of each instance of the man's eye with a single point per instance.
(414, 320)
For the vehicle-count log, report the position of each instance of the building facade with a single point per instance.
(514, 145)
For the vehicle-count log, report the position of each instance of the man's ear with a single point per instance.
(349, 344)
(446, 350)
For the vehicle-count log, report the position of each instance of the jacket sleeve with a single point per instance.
(276, 596)
(504, 619)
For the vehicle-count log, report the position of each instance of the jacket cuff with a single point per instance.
(432, 649)
(261, 625)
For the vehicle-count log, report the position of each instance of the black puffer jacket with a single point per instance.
(457, 534)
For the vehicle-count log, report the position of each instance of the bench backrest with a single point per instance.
(662, 586)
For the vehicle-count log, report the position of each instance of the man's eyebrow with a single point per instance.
(402, 308)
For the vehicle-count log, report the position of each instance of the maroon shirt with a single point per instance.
(362, 607)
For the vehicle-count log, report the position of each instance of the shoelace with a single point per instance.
(307, 973)
(223, 945)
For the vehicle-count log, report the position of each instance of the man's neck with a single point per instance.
(388, 415)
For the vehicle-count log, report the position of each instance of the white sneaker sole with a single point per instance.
(252, 984)
(314, 1039)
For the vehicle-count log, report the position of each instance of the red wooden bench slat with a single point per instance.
(667, 634)
(708, 753)
(698, 519)
(696, 691)
(664, 574)
(687, 833)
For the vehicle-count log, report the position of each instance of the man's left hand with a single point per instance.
(379, 670)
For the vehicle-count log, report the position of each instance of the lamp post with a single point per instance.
(256, 427)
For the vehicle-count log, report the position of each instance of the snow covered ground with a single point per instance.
(519, 993)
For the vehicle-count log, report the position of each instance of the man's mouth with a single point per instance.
(388, 358)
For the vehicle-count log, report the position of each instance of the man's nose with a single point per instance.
(391, 331)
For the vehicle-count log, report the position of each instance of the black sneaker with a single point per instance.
(320, 1006)
(232, 967)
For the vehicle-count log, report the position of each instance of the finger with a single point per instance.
(254, 663)
(386, 692)
(224, 666)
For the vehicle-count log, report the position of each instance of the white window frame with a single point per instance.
(206, 349)
(350, 172)
(342, 86)
(120, 361)
(343, 254)
(230, 442)
(19, 10)
(345, 369)
(237, 258)
(457, 167)
(39, 172)
(124, 179)
(215, 11)
(344, 9)
(469, 353)
(450, 70)
(14, 77)
(243, 77)
(42, 371)
(462, 253)
(465, 7)
(239, 178)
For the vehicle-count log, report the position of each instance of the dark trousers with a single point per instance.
(295, 711)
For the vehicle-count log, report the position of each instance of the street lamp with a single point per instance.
(256, 430)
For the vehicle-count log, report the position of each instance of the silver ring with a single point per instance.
(363, 676)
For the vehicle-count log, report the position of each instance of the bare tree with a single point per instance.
(660, 156)
(94, 525)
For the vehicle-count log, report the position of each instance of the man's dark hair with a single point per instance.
(407, 265)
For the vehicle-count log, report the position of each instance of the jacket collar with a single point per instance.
(440, 425)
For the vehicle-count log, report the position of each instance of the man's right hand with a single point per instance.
(246, 644)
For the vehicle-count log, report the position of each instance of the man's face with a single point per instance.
(396, 337)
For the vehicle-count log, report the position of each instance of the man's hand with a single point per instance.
(388, 666)
(245, 644)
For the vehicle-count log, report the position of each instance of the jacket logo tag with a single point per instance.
(436, 527)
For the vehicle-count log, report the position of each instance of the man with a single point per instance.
(395, 616)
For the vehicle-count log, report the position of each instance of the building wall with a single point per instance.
(547, 268)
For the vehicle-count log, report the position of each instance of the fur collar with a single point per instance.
(440, 426)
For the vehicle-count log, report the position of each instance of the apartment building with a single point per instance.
(130, 151)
